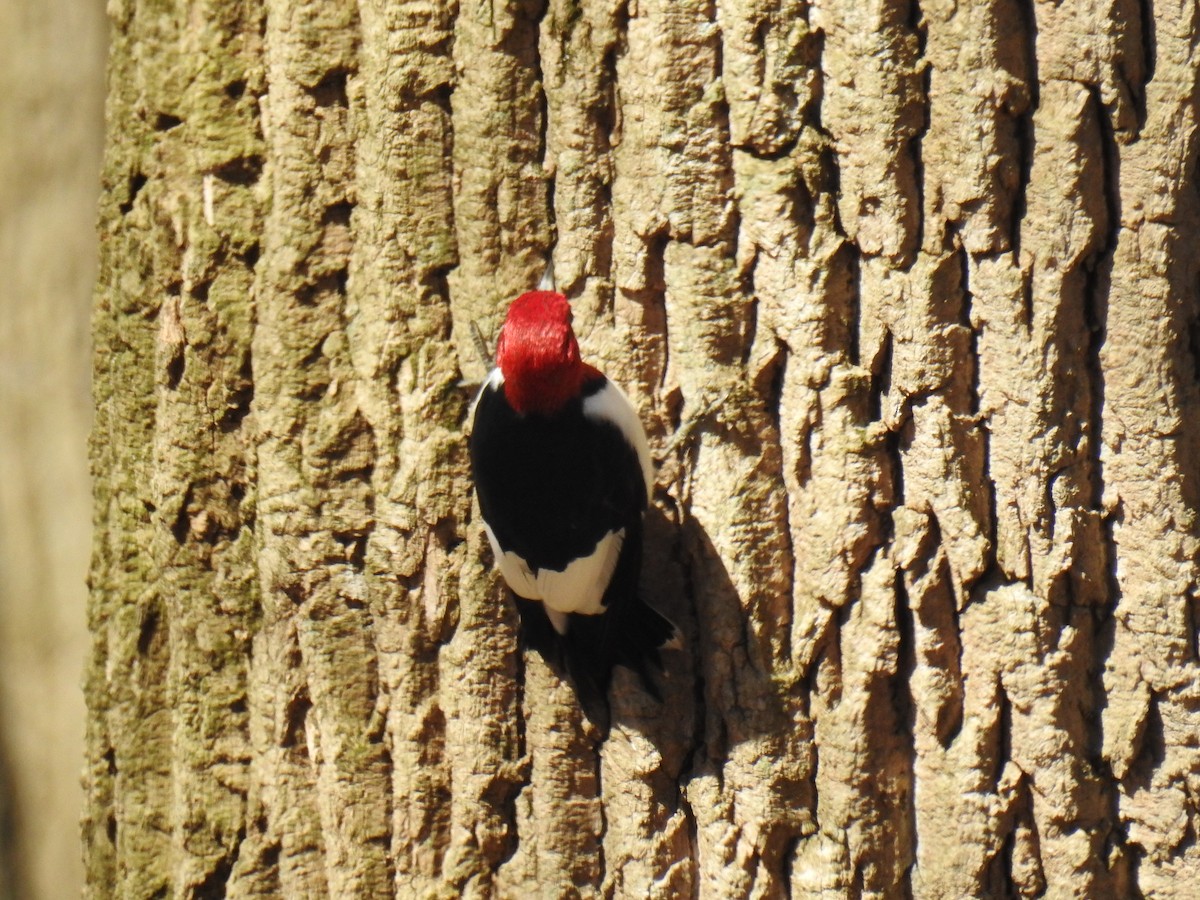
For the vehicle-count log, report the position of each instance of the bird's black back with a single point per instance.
(550, 487)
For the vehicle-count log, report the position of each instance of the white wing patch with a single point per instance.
(579, 588)
(514, 569)
(611, 404)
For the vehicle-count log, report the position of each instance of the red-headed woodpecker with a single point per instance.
(563, 474)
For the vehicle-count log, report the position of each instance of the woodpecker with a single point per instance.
(563, 474)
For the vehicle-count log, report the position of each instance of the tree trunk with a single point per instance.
(921, 284)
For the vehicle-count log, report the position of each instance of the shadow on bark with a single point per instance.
(718, 690)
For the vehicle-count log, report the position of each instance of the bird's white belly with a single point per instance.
(579, 588)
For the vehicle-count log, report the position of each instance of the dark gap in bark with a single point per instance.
(999, 866)
(601, 860)
(250, 255)
(432, 740)
(437, 278)
(1004, 734)
(993, 574)
(892, 445)
(175, 368)
(776, 154)
(1023, 133)
(1026, 297)
(243, 171)
(543, 128)
(773, 388)
(728, 235)
(906, 889)
(214, 885)
(295, 593)
(315, 354)
(830, 175)
(856, 880)
(166, 121)
(751, 326)
(1023, 817)
(294, 733)
(608, 232)
(147, 629)
(905, 708)
(441, 96)
(655, 274)
(1193, 345)
(312, 292)
(1149, 47)
(1185, 371)
(330, 91)
(653, 299)
(512, 639)
(240, 399)
(915, 145)
(337, 214)
(1125, 876)
(1151, 750)
(137, 181)
(1191, 619)
(1146, 61)
(1098, 266)
(355, 545)
(853, 303)
(1095, 299)
(788, 859)
(182, 524)
(1095, 313)
(965, 319)
(610, 64)
(881, 378)
(357, 473)
(200, 290)
(693, 646)
(448, 533)
(948, 623)
(1188, 840)
(235, 89)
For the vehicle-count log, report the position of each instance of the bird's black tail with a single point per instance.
(628, 633)
(632, 634)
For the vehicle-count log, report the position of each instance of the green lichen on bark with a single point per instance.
(173, 597)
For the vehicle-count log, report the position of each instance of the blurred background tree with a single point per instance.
(51, 135)
(934, 551)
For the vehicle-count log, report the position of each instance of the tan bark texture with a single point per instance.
(908, 295)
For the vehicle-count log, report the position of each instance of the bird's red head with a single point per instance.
(538, 354)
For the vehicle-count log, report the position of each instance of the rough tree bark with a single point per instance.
(921, 279)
